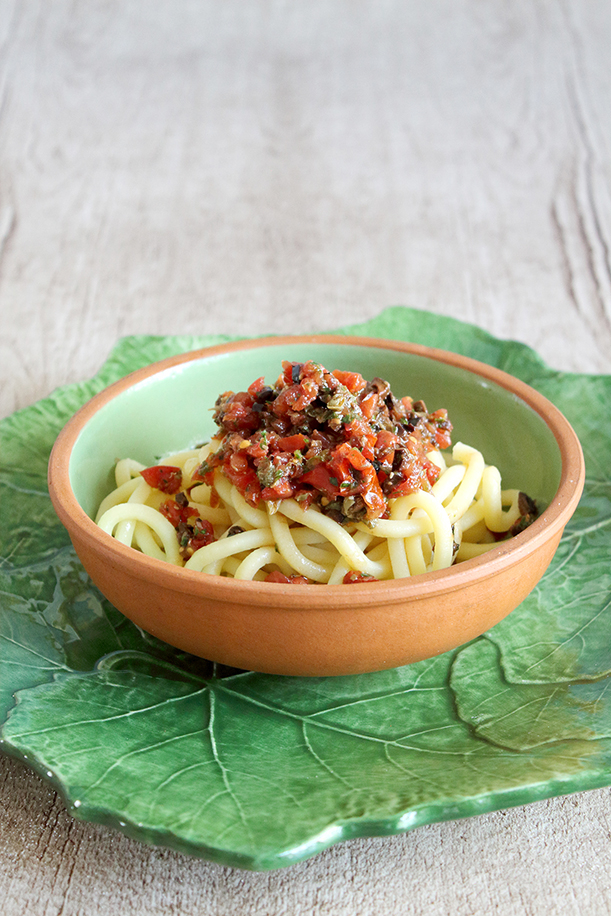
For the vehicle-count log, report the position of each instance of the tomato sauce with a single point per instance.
(329, 439)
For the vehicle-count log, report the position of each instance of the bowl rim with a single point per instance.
(506, 554)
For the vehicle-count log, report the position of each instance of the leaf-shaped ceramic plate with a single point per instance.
(259, 771)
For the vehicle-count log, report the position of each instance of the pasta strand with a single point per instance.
(426, 530)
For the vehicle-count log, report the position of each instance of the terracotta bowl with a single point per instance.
(317, 629)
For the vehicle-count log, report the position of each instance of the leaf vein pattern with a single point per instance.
(223, 769)
(408, 771)
(363, 700)
(123, 715)
(50, 661)
(11, 485)
(319, 759)
(578, 634)
(348, 732)
(581, 532)
(141, 750)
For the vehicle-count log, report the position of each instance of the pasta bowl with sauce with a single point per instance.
(316, 629)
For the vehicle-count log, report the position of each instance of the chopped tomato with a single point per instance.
(354, 576)
(361, 436)
(369, 486)
(443, 434)
(353, 381)
(203, 534)
(295, 398)
(277, 576)
(324, 480)
(176, 512)
(257, 386)
(164, 477)
(238, 414)
(282, 489)
(368, 405)
(237, 469)
(257, 448)
(292, 443)
(432, 472)
(328, 439)
(386, 443)
(287, 373)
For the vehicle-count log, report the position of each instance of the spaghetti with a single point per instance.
(324, 478)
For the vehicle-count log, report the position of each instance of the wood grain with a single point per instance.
(204, 167)
(271, 169)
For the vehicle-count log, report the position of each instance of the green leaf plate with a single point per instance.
(258, 771)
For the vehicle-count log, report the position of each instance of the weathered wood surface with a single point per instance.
(205, 167)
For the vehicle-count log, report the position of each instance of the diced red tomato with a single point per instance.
(305, 498)
(238, 415)
(322, 479)
(353, 576)
(203, 534)
(432, 472)
(172, 511)
(277, 576)
(282, 489)
(362, 436)
(257, 448)
(287, 373)
(164, 477)
(176, 513)
(292, 443)
(369, 486)
(368, 444)
(257, 386)
(369, 404)
(295, 398)
(386, 443)
(353, 381)
(443, 434)
(414, 477)
(237, 469)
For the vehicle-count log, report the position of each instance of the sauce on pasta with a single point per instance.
(328, 439)
(324, 477)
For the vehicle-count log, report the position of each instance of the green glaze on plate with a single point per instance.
(258, 771)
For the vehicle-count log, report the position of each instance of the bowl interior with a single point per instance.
(171, 410)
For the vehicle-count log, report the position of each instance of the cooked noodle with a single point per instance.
(456, 520)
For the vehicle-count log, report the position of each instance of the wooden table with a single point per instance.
(248, 168)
